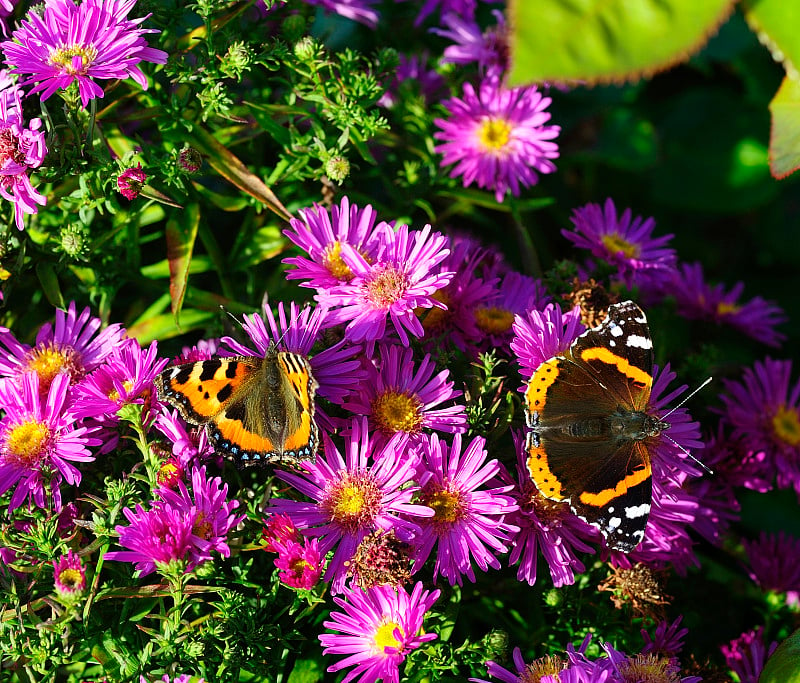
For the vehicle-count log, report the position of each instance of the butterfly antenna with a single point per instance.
(686, 398)
(231, 315)
(681, 448)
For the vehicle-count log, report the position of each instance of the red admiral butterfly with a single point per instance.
(590, 438)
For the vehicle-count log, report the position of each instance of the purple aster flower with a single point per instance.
(543, 670)
(335, 369)
(22, 147)
(361, 11)
(624, 242)
(131, 181)
(640, 667)
(774, 561)
(299, 564)
(747, 654)
(69, 576)
(368, 489)
(667, 640)
(398, 397)
(462, 8)
(413, 71)
(467, 291)
(469, 523)
(6, 10)
(489, 48)
(76, 346)
(214, 515)
(376, 630)
(540, 335)
(279, 530)
(765, 416)
(697, 299)
(205, 349)
(402, 279)
(545, 524)
(515, 295)
(125, 378)
(497, 137)
(322, 235)
(69, 43)
(717, 503)
(38, 441)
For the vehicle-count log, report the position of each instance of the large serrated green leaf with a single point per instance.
(777, 25)
(784, 664)
(600, 41)
(784, 141)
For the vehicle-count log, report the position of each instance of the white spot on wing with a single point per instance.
(635, 511)
(639, 342)
(613, 523)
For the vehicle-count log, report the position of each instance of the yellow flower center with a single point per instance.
(494, 134)
(350, 502)
(384, 636)
(395, 411)
(4, 274)
(335, 264)
(70, 578)
(446, 506)
(435, 318)
(386, 286)
(648, 668)
(27, 442)
(353, 501)
(549, 665)
(615, 243)
(724, 308)
(786, 424)
(202, 526)
(168, 473)
(113, 395)
(47, 361)
(64, 57)
(493, 320)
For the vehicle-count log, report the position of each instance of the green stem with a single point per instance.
(529, 255)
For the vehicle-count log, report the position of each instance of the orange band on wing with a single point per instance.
(549, 486)
(234, 431)
(603, 497)
(301, 436)
(542, 380)
(610, 358)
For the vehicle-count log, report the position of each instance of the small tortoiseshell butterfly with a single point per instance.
(590, 439)
(257, 410)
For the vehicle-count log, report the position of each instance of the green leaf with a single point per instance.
(52, 289)
(784, 142)
(601, 41)
(230, 167)
(777, 25)
(784, 664)
(181, 234)
(163, 326)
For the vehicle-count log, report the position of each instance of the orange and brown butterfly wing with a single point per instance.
(299, 387)
(201, 390)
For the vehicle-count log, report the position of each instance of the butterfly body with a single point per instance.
(257, 410)
(591, 435)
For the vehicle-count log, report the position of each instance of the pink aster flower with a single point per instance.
(76, 346)
(548, 526)
(367, 489)
(188, 445)
(469, 524)
(414, 73)
(540, 335)
(624, 242)
(696, 299)
(131, 181)
(323, 234)
(462, 8)
(489, 48)
(205, 349)
(69, 576)
(401, 279)
(70, 43)
(399, 397)
(376, 630)
(667, 639)
(181, 527)
(544, 670)
(497, 137)
(22, 148)
(126, 377)
(764, 414)
(299, 564)
(361, 11)
(39, 444)
(747, 654)
(279, 530)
